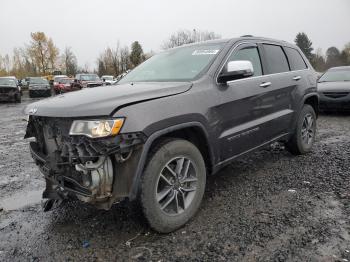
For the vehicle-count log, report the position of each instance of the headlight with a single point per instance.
(96, 128)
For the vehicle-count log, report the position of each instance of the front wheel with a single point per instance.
(172, 185)
(305, 132)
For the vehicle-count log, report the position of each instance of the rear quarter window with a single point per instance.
(276, 59)
(296, 61)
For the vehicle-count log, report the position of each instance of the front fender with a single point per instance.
(146, 148)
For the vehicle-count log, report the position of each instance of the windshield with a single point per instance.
(38, 80)
(179, 64)
(336, 76)
(58, 78)
(7, 82)
(66, 80)
(89, 77)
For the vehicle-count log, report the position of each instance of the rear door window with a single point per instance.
(295, 59)
(276, 59)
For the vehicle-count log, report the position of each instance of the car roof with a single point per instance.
(10, 77)
(60, 76)
(263, 39)
(243, 38)
(7, 77)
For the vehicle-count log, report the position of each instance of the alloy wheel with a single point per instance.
(176, 186)
(307, 129)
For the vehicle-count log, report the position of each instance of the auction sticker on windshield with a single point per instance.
(205, 52)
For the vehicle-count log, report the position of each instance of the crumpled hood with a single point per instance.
(334, 86)
(102, 101)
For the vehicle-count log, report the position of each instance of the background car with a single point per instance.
(56, 79)
(334, 89)
(88, 80)
(9, 89)
(17, 83)
(65, 85)
(108, 79)
(39, 86)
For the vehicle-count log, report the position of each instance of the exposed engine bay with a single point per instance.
(94, 170)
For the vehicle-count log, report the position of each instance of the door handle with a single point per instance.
(296, 78)
(265, 84)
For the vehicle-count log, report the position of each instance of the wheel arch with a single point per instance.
(194, 132)
(312, 100)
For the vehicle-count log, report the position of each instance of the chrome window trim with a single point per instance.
(253, 43)
(229, 82)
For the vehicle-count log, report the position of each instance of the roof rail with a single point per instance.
(247, 36)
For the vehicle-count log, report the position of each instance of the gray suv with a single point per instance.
(179, 116)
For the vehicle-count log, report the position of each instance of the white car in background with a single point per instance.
(108, 80)
(57, 78)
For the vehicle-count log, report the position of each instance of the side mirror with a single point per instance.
(236, 70)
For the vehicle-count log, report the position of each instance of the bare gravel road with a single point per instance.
(269, 206)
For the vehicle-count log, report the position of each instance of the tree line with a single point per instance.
(41, 56)
(321, 62)
(116, 60)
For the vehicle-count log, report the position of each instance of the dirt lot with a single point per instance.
(270, 206)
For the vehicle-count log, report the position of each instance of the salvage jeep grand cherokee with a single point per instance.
(179, 116)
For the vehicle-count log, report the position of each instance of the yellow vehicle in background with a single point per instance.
(50, 77)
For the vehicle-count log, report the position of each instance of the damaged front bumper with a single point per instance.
(98, 171)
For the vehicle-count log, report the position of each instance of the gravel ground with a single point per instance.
(269, 206)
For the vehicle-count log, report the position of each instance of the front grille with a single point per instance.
(49, 131)
(335, 94)
(53, 137)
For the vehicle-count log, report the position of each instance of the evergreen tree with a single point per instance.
(333, 57)
(136, 55)
(304, 43)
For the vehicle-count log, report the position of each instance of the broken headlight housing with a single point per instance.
(96, 128)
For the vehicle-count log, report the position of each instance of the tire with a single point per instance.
(299, 143)
(18, 98)
(187, 190)
(30, 94)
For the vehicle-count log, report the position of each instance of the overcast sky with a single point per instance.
(89, 26)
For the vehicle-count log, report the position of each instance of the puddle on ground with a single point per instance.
(20, 200)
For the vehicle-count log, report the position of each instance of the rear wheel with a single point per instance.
(172, 185)
(305, 132)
